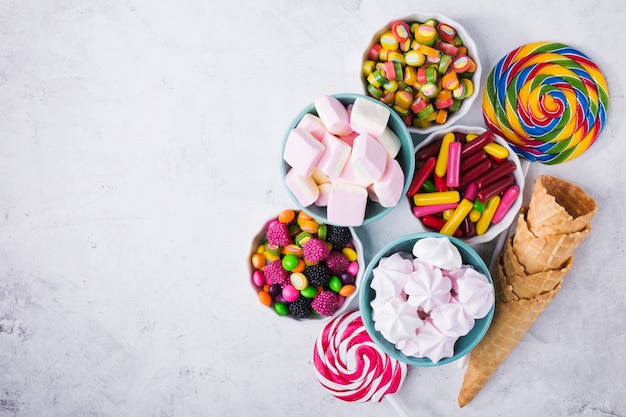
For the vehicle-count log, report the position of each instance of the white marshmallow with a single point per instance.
(304, 189)
(302, 151)
(369, 117)
(322, 200)
(346, 205)
(391, 142)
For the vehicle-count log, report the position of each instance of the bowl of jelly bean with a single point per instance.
(304, 269)
(404, 245)
(468, 183)
(426, 67)
(397, 151)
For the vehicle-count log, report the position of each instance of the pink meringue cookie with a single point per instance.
(388, 283)
(399, 261)
(427, 288)
(475, 293)
(452, 319)
(431, 343)
(439, 252)
(396, 320)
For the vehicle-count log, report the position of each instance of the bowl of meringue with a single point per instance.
(427, 299)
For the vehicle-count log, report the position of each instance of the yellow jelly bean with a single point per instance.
(485, 218)
(474, 215)
(460, 212)
(349, 253)
(440, 197)
(496, 150)
(442, 160)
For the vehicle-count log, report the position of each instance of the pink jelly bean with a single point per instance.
(454, 163)
(290, 293)
(258, 278)
(353, 268)
(508, 198)
(420, 211)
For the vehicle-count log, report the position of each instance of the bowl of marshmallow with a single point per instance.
(347, 159)
(427, 299)
(425, 66)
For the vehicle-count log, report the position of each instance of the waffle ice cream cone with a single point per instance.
(558, 207)
(539, 254)
(529, 273)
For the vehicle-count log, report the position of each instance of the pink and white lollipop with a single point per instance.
(351, 367)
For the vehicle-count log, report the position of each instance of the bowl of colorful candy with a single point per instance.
(425, 67)
(427, 299)
(304, 269)
(468, 184)
(347, 159)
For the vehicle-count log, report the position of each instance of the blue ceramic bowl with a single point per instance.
(405, 157)
(405, 244)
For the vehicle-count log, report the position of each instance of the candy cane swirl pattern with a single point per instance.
(548, 100)
(350, 365)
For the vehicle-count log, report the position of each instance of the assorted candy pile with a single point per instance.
(342, 157)
(428, 299)
(303, 268)
(420, 69)
(464, 184)
(548, 100)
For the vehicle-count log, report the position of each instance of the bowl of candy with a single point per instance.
(468, 184)
(425, 66)
(427, 299)
(347, 159)
(304, 269)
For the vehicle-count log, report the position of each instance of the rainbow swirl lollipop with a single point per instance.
(548, 100)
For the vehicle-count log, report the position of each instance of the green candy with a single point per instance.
(479, 206)
(335, 283)
(309, 292)
(281, 308)
(290, 261)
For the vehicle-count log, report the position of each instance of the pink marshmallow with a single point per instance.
(304, 189)
(388, 189)
(322, 200)
(334, 115)
(346, 205)
(369, 157)
(314, 125)
(369, 117)
(336, 153)
(302, 151)
(349, 139)
(350, 175)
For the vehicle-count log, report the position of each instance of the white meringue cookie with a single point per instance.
(475, 293)
(397, 320)
(452, 319)
(427, 288)
(439, 252)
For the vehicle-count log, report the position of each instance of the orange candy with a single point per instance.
(265, 298)
(347, 290)
(258, 260)
(286, 216)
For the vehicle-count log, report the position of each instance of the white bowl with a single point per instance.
(494, 230)
(259, 239)
(472, 52)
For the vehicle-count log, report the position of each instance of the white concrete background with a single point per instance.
(139, 148)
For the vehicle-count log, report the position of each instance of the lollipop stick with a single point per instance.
(391, 400)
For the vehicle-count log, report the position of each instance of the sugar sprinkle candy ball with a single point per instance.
(548, 100)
